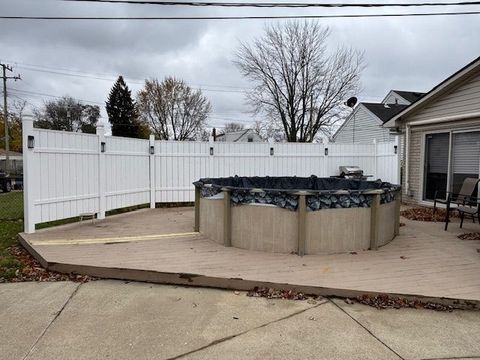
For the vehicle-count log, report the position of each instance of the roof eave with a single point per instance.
(445, 84)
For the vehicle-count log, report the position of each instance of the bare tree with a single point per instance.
(173, 110)
(233, 126)
(298, 82)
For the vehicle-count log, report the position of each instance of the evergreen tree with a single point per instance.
(121, 111)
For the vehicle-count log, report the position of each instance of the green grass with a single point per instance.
(11, 205)
(8, 237)
(11, 223)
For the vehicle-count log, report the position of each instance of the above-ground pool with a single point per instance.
(296, 214)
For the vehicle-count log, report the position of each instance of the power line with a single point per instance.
(246, 17)
(277, 4)
(131, 80)
(53, 96)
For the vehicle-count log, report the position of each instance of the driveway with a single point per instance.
(128, 320)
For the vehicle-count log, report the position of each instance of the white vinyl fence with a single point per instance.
(67, 174)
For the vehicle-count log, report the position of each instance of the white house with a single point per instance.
(16, 161)
(365, 122)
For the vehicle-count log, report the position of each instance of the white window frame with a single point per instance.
(424, 134)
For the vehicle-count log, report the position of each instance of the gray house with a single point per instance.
(365, 122)
(245, 135)
(442, 137)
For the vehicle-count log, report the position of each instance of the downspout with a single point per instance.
(407, 158)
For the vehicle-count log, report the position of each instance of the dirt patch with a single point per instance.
(426, 214)
(271, 293)
(469, 236)
(390, 302)
(29, 269)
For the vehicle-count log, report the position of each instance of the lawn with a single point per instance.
(11, 205)
(11, 223)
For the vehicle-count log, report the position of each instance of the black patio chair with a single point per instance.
(469, 209)
(460, 199)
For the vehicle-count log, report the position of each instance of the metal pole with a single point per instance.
(5, 118)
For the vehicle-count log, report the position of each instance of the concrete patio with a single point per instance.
(159, 245)
(128, 320)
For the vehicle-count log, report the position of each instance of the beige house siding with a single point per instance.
(462, 100)
(367, 128)
(416, 155)
(415, 163)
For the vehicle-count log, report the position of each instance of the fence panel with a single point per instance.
(126, 172)
(64, 175)
(67, 174)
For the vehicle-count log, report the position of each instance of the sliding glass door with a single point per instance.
(450, 157)
(436, 165)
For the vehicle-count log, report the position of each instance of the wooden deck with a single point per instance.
(424, 261)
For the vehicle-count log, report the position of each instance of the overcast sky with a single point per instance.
(401, 53)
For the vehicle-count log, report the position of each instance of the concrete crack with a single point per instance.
(51, 322)
(230, 337)
(367, 330)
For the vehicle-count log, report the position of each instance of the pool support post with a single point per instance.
(302, 222)
(374, 218)
(398, 202)
(227, 218)
(197, 209)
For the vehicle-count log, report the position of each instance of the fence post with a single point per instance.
(211, 152)
(325, 158)
(101, 172)
(375, 153)
(398, 165)
(152, 171)
(28, 162)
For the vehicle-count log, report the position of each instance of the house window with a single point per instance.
(450, 157)
(250, 138)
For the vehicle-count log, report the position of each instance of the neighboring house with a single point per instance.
(400, 97)
(16, 161)
(442, 137)
(246, 135)
(365, 122)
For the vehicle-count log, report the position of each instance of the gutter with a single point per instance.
(445, 119)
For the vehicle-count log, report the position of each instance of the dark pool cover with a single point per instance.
(323, 193)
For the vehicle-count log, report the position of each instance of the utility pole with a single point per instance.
(6, 68)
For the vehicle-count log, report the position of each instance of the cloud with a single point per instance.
(401, 53)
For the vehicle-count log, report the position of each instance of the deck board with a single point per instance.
(437, 264)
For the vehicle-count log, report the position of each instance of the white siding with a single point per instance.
(367, 128)
(464, 99)
(394, 98)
